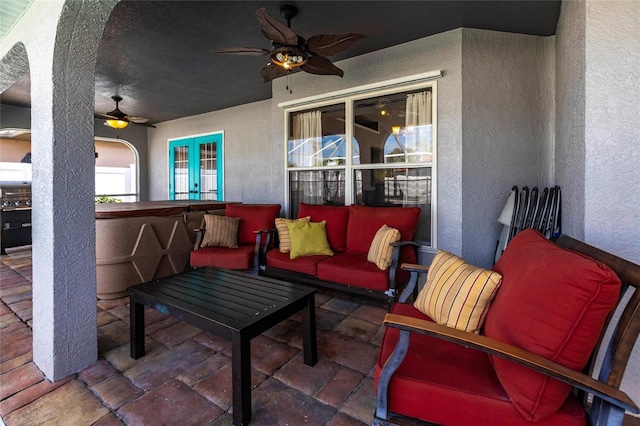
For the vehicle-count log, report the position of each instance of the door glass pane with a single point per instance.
(181, 172)
(400, 187)
(208, 171)
(317, 137)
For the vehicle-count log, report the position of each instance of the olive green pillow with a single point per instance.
(283, 232)
(308, 239)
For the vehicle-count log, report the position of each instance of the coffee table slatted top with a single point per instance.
(234, 299)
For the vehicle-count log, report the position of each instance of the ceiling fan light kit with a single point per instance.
(290, 51)
(289, 57)
(117, 119)
(117, 124)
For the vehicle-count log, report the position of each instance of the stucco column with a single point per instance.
(64, 265)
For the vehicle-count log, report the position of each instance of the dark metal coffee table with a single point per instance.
(233, 305)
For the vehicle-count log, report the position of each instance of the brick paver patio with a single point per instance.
(185, 377)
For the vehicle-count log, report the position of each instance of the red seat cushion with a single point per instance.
(353, 269)
(444, 383)
(364, 222)
(253, 218)
(336, 217)
(552, 302)
(305, 264)
(223, 257)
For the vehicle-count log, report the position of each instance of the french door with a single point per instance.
(196, 168)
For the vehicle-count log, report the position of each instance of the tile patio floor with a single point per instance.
(185, 377)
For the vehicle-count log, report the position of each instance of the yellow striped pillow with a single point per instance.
(220, 231)
(457, 294)
(380, 251)
(283, 232)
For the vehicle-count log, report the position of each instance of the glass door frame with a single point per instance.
(193, 144)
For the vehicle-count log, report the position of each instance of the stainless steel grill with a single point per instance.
(15, 214)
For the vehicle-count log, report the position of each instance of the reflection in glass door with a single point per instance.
(180, 172)
(195, 168)
(208, 171)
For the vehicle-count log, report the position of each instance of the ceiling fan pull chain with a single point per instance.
(289, 84)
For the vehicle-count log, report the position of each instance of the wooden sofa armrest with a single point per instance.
(265, 239)
(412, 267)
(199, 237)
(395, 263)
(412, 285)
(520, 356)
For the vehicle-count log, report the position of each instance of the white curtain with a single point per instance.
(418, 141)
(418, 109)
(307, 139)
(306, 151)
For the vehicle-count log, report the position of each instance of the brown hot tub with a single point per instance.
(143, 241)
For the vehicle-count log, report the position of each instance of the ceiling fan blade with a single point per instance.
(248, 51)
(275, 30)
(117, 114)
(322, 66)
(269, 72)
(331, 44)
(104, 116)
(143, 124)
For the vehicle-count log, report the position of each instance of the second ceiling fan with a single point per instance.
(119, 120)
(290, 51)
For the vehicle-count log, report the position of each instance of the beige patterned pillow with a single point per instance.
(220, 231)
(380, 251)
(283, 232)
(457, 294)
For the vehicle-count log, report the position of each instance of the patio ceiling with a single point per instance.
(155, 53)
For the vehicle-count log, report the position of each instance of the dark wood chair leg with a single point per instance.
(309, 332)
(136, 329)
(241, 372)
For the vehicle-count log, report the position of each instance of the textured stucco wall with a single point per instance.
(570, 104)
(61, 57)
(253, 157)
(612, 139)
(15, 117)
(612, 127)
(507, 93)
(597, 132)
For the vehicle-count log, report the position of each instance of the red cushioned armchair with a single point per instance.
(254, 219)
(542, 330)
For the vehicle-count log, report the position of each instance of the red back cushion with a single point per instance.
(253, 217)
(336, 217)
(553, 302)
(364, 222)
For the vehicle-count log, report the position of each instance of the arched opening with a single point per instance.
(117, 171)
(117, 165)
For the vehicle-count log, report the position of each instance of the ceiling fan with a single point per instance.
(290, 51)
(119, 120)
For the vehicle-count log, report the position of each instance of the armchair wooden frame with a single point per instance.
(609, 402)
